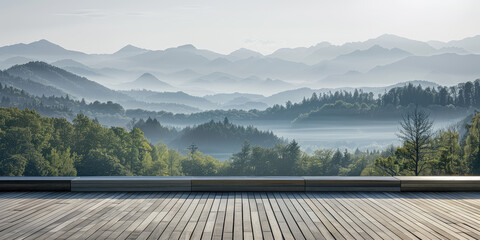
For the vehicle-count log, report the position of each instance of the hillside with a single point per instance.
(70, 83)
(147, 81)
(170, 97)
(222, 137)
(30, 86)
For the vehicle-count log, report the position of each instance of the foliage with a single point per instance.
(442, 153)
(62, 106)
(32, 145)
(223, 135)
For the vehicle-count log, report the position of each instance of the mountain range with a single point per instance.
(40, 78)
(380, 61)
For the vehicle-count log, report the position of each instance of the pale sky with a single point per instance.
(98, 26)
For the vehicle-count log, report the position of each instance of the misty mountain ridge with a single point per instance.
(189, 69)
(147, 81)
(223, 82)
(243, 53)
(223, 98)
(470, 44)
(359, 61)
(10, 62)
(30, 86)
(41, 48)
(70, 83)
(171, 97)
(130, 50)
(446, 69)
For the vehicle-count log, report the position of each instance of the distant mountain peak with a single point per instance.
(388, 36)
(187, 47)
(377, 47)
(147, 76)
(45, 43)
(149, 80)
(322, 44)
(130, 49)
(244, 53)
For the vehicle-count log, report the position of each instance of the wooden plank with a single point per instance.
(229, 217)
(212, 216)
(343, 228)
(279, 218)
(220, 218)
(266, 230)
(171, 214)
(305, 217)
(238, 218)
(291, 222)
(240, 215)
(272, 221)
(255, 218)
(201, 222)
(309, 217)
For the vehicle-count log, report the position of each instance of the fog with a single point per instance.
(341, 134)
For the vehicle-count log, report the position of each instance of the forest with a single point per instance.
(440, 101)
(209, 137)
(32, 145)
(62, 106)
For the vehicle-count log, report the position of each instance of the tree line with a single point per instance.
(443, 100)
(32, 145)
(424, 152)
(212, 136)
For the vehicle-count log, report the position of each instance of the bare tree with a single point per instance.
(416, 133)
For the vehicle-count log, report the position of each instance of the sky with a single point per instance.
(95, 26)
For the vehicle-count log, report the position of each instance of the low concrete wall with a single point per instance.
(36, 184)
(250, 184)
(376, 184)
(232, 184)
(439, 183)
(131, 184)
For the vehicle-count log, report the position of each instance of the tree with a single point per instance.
(288, 158)
(472, 145)
(13, 165)
(416, 133)
(449, 159)
(388, 165)
(100, 163)
(241, 160)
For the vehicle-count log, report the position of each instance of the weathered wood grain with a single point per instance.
(240, 215)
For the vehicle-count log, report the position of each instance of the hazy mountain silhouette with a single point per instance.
(359, 60)
(392, 41)
(148, 81)
(130, 50)
(443, 69)
(76, 68)
(470, 44)
(30, 86)
(223, 82)
(173, 58)
(41, 49)
(223, 98)
(70, 83)
(301, 54)
(171, 97)
(243, 53)
(196, 71)
(10, 62)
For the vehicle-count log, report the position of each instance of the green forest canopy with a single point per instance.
(32, 145)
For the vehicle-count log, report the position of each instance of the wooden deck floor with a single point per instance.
(209, 215)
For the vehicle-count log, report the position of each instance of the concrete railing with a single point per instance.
(231, 184)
